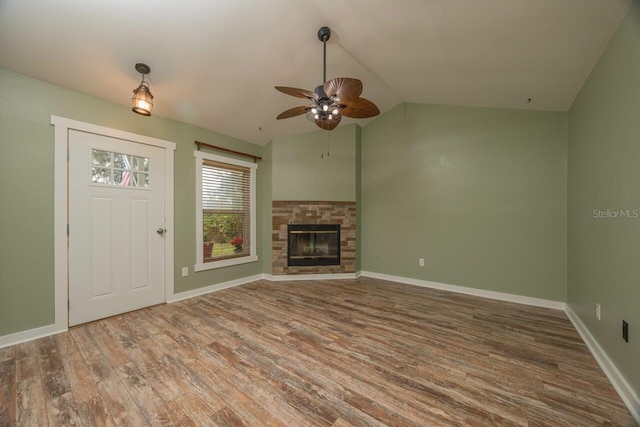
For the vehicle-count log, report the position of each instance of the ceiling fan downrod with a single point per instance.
(324, 34)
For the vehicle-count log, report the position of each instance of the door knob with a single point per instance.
(161, 231)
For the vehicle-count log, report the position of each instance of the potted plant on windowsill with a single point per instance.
(207, 249)
(207, 244)
(237, 242)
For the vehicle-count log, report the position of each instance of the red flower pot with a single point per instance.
(207, 248)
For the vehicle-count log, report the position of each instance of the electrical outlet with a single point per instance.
(597, 311)
(625, 331)
(421, 262)
(185, 271)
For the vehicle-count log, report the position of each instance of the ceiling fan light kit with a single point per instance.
(331, 100)
(142, 101)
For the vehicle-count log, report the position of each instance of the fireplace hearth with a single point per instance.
(313, 244)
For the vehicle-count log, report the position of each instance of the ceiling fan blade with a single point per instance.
(299, 93)
(360, 108)
(292, 112)
(328, 125)
(345, 89)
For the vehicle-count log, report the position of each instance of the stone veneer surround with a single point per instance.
(312, 212)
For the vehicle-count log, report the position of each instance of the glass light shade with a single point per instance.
(324, 110)
(142, 101)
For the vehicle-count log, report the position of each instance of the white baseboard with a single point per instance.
(501, 296)
(31, 334)
(301, 277)
(628, 396)
(44, 331)
(213, 288)
(53, 329)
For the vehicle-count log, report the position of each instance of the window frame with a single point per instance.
(133, 171)
(200, 265)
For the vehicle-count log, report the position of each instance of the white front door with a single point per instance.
(116, 226)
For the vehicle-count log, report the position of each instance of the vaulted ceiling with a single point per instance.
(214, 62)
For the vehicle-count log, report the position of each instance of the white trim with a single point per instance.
(61, 274)
(169, 259)
(114, 133)
(224, 262)
(628, 396)
(302, 277)
(60, 255)
(30, 334)
(214, 288)
(253, 256)
(501, 296)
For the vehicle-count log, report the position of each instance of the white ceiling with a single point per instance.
(214, 62)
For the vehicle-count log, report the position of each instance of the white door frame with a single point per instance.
(60, 206)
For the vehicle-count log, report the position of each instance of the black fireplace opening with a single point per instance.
(313, 244)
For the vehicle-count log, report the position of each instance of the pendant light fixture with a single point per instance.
(142, 101)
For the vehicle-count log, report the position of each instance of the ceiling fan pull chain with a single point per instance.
(328, 142)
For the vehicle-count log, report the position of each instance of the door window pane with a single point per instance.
(118, 169)
(101, 176)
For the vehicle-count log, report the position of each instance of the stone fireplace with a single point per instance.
(323, 237)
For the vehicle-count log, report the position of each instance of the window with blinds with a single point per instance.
(227, 210)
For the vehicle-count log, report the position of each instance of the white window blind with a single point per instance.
(225, 187)
(226, 211)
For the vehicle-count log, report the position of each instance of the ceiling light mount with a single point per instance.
(143, 68)
(142, 101)
(324, 34)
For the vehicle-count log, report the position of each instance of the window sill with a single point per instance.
(225, 263)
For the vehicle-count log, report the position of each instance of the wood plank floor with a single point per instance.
(359, 352)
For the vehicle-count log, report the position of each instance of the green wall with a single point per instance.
(26, 216)
(317, 165)
(267, 211)
(479, 193)
(604, 174)
(358, 198)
